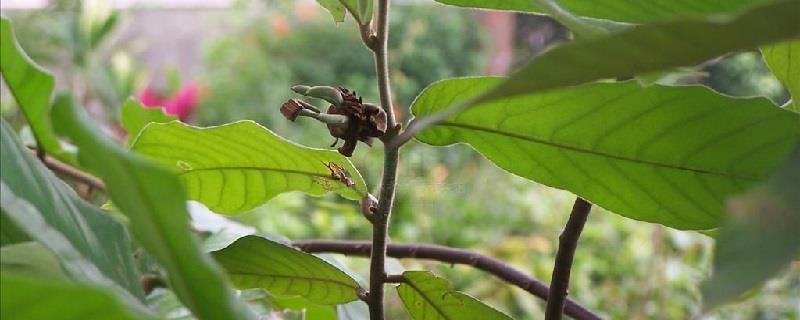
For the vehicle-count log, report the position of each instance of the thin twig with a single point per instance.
(72, 172)
(567, 243)
(378, 43)
(395, 278)
(477, 260)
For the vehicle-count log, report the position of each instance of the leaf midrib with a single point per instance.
(286, 276)
(592, 152)
(289, 171)
(430, 302)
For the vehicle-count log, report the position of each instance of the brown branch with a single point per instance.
(480, 261)
(72, 172)
(378, 43)
(395, 278)
(567, 243)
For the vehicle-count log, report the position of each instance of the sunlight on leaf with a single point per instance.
(669, 155)
(238, 166)
(154, 201)
(136, 116)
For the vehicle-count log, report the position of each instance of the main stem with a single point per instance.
(567, 243)
(380, 223)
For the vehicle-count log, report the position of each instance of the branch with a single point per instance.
(378, 43)
(72, 172)
(480, 261)
(567, 243)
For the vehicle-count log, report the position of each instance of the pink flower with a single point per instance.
(182, 104)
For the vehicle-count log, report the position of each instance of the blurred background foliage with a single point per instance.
(626, 269)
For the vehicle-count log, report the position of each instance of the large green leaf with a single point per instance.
(669, 155)
(241, 165)
(26, 298)
(154, 201)
(761, 236)
(428, 297)
(135, 116)
(634, 11)
(31, 87)
(91, 245)
(256, 262)
(651, 47)
(784, 60)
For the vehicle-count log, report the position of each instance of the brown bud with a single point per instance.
(377, 120)
(291, 109)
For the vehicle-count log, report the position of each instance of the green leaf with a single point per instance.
(649, 48)
(91, 245)
(26, 298)
(32, 259)
(10, 233)
(669, 155)
(428, 297)
(784, 61)
(135, 117)
(31, 87)
(239, 166)
(760, 237)
(360, 9)
(256, 262)
(335, 8)
(154, 201)
(633, 11)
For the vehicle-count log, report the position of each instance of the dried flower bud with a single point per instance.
(364, 121)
